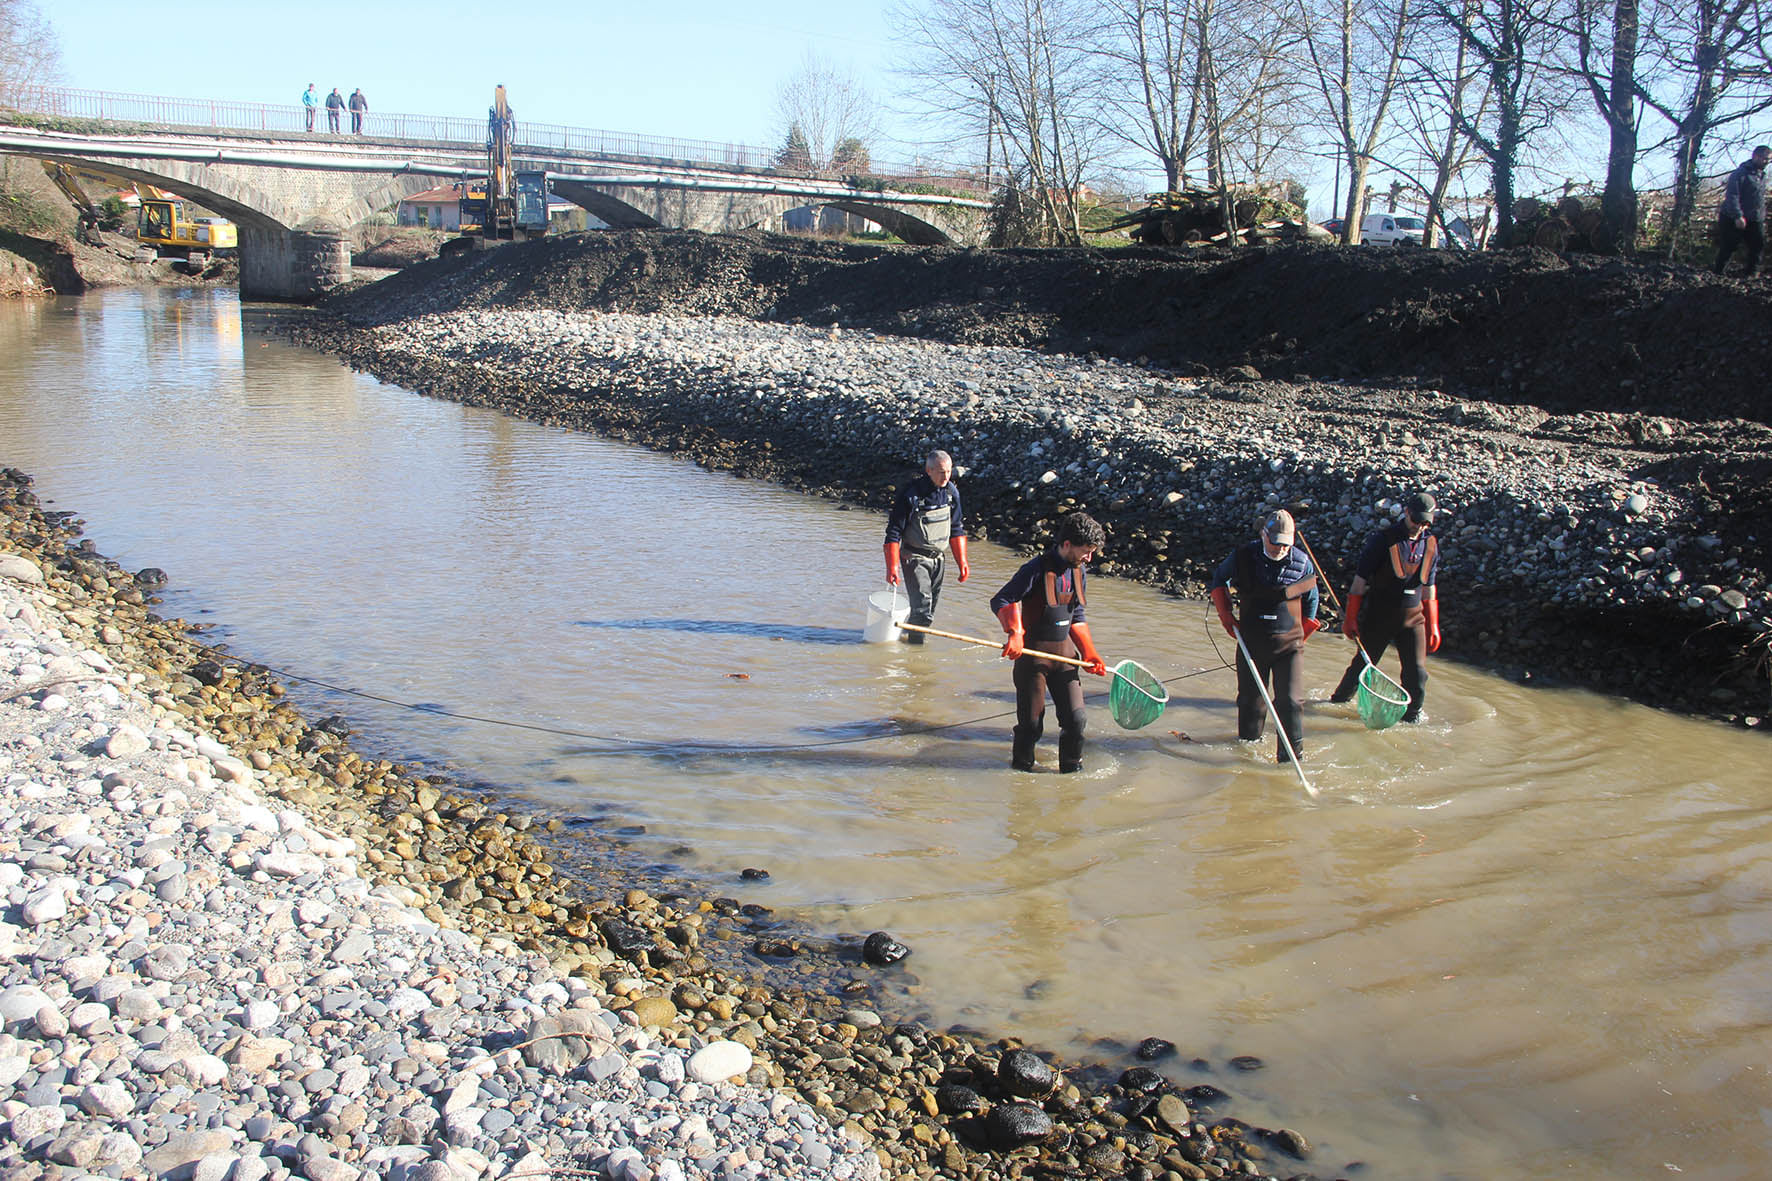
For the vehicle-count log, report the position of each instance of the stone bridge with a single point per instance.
(293, 196)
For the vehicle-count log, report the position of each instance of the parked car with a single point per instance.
(1392, 229)
(1334, 224)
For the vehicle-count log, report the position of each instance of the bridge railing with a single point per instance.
(223, 115)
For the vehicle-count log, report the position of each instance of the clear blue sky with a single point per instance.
(689, 69)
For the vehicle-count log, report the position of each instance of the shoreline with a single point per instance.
(855, 1095)
(1576, 551)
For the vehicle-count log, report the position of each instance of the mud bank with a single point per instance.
(1622, 551)
(685, 970)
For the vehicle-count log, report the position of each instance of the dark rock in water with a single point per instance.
(881, 948)
(1205, 1095)
(1153, 1048)
(1201, 1066)
(334, 724)
(1015, 1124)
(954, 1099)
(1247, 1062)
(150, 578)
(1287, 1141)
(1027, 1075)
(1141, 1080)
(779, 948)
(625, 939)
(754, 875)
(208, 672)
(754, 910)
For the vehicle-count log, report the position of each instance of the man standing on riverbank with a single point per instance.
(1393, 599)
(924, 521)
(1276, 584)
(1041, 610)
(1741, 220)
(359, 107)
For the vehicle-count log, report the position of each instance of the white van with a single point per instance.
(1392, 229)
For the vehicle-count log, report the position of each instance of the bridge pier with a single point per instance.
(297, 265)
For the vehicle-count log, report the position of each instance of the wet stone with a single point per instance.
(1012, 1125)
(882, 949)
(1026, 1075)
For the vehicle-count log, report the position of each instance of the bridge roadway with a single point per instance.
(294, 195)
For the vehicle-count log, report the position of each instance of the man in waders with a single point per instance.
(1276, 585)
(1041, 609)
(1392, 600)
(925, 520)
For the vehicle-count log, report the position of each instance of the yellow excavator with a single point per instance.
(165, 225)
(90, 213)
(508, 206)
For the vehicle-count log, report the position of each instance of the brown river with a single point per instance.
(1529, 938)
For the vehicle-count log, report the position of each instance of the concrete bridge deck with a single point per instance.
(294, 194)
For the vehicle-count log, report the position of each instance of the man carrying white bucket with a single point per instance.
(925, 521)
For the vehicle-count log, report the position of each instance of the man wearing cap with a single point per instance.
(1276, 584)
(1393, 600)
(924, 521)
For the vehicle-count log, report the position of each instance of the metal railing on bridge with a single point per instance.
(267, 118)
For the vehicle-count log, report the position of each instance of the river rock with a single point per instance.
(1012, 1125)
(718, 1060)
(1026, 1075)
(882, 949)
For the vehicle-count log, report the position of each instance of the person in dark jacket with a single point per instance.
(359, 107)
(1276, 585)
(1041, 610)
(1394, 599)
(335, 102)
(924, 521)
(1741, 219)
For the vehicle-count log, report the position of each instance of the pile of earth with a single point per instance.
(1567, 334)
(66, 266)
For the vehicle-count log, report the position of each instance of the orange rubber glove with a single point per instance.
(1310, 628)
(1433, 625)
(892, 562)
(1086, 648)
(958, 545)
(1350, 619)
(1221, 598)
(1010, 615)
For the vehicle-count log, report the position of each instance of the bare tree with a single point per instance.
(1246, 58)
(1355, 50)
(1710, 71)
(1605, 34)
(1520, 45)
(1017, 73)
(1155, 90)
(828, 107)
(30, 53)
(1443, 91)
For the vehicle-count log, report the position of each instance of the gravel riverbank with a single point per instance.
(1620, 551)
(236, 948)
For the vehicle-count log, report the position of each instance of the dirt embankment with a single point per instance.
(1533, 394)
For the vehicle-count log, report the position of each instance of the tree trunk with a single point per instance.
(1619, 203)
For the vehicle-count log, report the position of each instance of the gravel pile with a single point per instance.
(1562, 535)
(199, 982)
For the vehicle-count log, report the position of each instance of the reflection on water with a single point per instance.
(1527, 937)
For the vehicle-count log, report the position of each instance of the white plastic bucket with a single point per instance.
(886, 609)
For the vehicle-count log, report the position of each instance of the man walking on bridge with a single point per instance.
(359, 107)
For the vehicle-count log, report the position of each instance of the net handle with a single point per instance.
(1333, 601)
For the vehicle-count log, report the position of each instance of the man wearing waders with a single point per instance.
(1392, 600)
(1041, 609)
(1276, 587)
(925, 520)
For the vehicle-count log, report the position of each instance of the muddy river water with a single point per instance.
(1531, 937)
